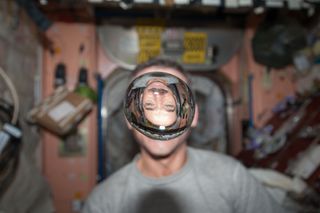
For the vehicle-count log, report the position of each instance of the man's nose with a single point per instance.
(158, 101)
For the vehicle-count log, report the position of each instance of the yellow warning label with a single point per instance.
(195, 45)
(194, 57)
(149, 42)
(145, 55)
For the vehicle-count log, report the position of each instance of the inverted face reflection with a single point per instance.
(159, 105)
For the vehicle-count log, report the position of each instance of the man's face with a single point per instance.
(159, 148)
(159, 106)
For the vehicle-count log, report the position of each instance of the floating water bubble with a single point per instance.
(159, 105)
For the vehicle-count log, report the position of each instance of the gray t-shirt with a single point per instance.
(208, 182)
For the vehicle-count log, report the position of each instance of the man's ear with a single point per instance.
(195, 117)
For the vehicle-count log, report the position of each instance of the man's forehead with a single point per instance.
(168, 70)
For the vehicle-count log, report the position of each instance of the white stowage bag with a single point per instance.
(279, 185)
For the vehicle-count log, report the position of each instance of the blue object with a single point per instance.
(42, 22)
(101, 155)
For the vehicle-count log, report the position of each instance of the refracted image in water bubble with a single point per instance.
(159, 105)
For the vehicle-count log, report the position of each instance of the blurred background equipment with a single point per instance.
(60, 75)
(197, 48)
(276, 41)
(10, 135)
(83, 88)
(61, 112)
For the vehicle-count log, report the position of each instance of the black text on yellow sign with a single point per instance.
(195, 45)
(149, 42)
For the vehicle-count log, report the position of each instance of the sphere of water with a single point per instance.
(159, 105)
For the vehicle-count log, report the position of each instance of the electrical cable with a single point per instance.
(14, 96)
